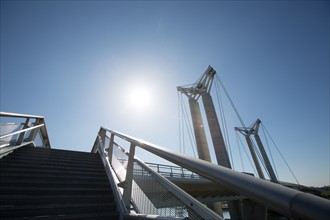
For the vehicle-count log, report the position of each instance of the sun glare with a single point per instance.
(140, 98)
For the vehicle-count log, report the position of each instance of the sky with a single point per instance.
(82, 64)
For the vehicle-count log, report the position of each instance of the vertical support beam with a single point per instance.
(235, 209)
(216, 207)
(110, 149)
(34, 132)
(21, 136)
(200, 137)
(269, 167)
(220, 152)
(252, 210)
(254, 157)
(102, 134)
(215, 130)
(127, 194)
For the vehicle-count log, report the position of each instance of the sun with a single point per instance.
(140, 98)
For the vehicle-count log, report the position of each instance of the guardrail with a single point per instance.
(142, 191)
(173, 171)
(20, 129)
(289, 202)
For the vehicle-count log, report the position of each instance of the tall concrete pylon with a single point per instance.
(247, 132)
(200, 136)
(215, 131)
(202, 89)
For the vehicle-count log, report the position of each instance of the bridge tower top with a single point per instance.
(202, 89)
(203, 85)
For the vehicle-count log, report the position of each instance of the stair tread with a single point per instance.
(51, 171)
(47, 199)
(54, 209)
(55, 184)
(45, 206)
(51, 158)
(47, 167)
(100, 215)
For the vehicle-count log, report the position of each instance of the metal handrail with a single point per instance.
(289, 202)
(17, 115)
(38, 126)
(99, 146)
(127, 182)
(21, 131)
(200, 208)
(173, 171)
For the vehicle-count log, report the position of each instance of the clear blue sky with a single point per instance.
(76, 62)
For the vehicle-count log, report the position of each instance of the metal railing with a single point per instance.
(289, 202)
(170, 171)
(140, 190)
(17, 130)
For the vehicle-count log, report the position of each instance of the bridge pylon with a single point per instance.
(247, 132)
(202, 89)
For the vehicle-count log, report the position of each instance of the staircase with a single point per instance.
(39, 183)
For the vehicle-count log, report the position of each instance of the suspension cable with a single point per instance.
(179, 116)
(189, 128)
(246, 153)
(224, 123)
(281, 155)
(259, 156)
(183, 127)
(231, 102)
(269, 150)
(239, 150)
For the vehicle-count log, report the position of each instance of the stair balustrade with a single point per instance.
(289, 202)
(143, 191)
(26, 129)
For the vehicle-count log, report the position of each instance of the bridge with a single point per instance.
(111, 182)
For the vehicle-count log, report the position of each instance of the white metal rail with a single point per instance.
(26, 131)
(131, 174)
(289, 202)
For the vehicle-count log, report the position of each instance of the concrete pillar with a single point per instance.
(265, 157)
(200, 137)
(215, 130)
(254, 157)
(252, 210)
(219, 149)
(235, 209)
(216, 207)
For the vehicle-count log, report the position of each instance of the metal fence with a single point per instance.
(289, 202)
(143, 190)
(173, 171)
(17, 130)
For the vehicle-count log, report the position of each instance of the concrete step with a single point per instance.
(38, 183)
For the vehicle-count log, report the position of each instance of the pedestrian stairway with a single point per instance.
(40, 183)
(112, 183)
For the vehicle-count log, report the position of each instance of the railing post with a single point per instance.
(110, 149)
(21, 136)
(34, 132)
(102, 134)
(129, 178)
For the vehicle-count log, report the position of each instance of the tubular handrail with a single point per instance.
(173, 171)
(17, 115)
(39, 125)
(21, 131)
(99, 147)
(127, 200)
(289, 202)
